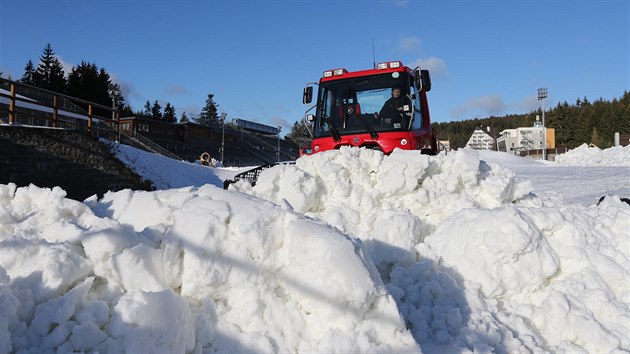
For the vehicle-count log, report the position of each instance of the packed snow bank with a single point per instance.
(182, 270)
(392, 201)
(475, 260)
(584, 155)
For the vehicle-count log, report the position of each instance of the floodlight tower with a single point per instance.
(542, 94)
(278, 151)
(111, 89)
(114, 91)
(223, 116)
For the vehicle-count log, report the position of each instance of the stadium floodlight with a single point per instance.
(542, 94)
(278, 151)
(223, 116)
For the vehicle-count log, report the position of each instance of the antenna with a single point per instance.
(373, 56)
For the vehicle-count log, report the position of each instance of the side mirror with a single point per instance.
(307, 97)
(310, 117)
(417, 79)
(426, 79)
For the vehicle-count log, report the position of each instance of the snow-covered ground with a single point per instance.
(345, 251)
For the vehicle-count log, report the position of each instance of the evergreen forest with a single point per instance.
(574, 124)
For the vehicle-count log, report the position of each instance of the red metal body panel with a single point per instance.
(386, 141)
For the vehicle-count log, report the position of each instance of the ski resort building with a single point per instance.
(481, 140)
(525, 139)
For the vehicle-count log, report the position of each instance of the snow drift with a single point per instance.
(584, 155)
(191, 269)
(345, 251)
(473, 258)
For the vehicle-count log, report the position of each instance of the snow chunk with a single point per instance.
(499, 249)
(153, 322)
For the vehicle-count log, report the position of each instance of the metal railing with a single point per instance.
(150, 145)
(36, 105)
(29, 105)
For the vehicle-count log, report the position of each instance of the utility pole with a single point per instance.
(278, 151)
(223, 115)
(113, 91)
(542, 94)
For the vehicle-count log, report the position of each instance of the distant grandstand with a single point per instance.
(255, 127)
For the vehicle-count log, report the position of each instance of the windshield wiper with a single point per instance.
(333, 129)
(373, 133)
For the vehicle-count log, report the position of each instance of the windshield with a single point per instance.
(358, 105)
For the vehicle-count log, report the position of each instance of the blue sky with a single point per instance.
(486, 57)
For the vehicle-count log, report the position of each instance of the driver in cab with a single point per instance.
(392, 111)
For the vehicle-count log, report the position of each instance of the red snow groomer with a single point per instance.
(382, 108)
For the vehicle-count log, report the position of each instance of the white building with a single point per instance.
(521, 139)
(480, 140)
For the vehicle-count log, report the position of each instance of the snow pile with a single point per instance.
(475, 261)
(584, 155)
(390, 202)
(443, 254)
(182, 270)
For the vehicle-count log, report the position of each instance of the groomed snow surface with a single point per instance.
(346, 251)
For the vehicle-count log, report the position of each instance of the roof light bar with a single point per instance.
(335, 72)
(389, 64)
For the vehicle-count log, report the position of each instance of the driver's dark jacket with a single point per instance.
(392, 108)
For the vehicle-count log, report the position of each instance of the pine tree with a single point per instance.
(147, 109)
(208, 115)
(595, 140)
(82, 81)
(623, 113)
(49, 74)
(169, 113)
(156, 111)
(559, 120)
(88, 82)
(300, 133)
(105, 88)
(57, 80)
(29, 71)
(126, 111)
(184, 118)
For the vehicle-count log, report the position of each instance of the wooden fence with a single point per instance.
(22, 104)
